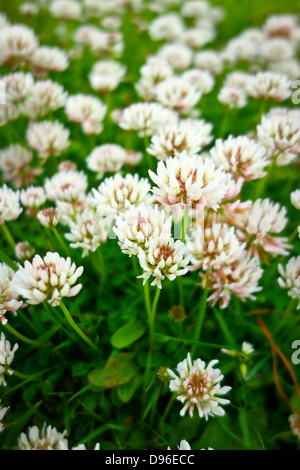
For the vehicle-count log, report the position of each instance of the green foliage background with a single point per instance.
(60, 385)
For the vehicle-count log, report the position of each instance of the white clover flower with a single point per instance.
(214, 246)
(280, 25)
(33, 197)
(197, 37)
(85, 34)
(295, 198)
(63, 446)
(50, 278)
(233, 97)
(107, 158)
(29, 8)
(201, 127)
(48, 138)
(247, 348)
(241, 157)
(49, 217)
(48, 439)
(239, 279)
(178, 56)
(164, 258)
(245, 47)
(198, 386)
(171, 141)
(112, 23)
(202, 80)
(18, 86)
(18, 42)
(195, 9)
(67, 186)
(294, 421)
(117, 194)
(106, 75)
(49, 59)
(8, 112)
(66, 9)
(88, 110)
(2, 413)
(153, 72)
(107, 44)
(177, 93)
(183, 445)
(8, 295)
(135, 227)
(269, 85)
(67, 165)
(237, 79)
(189, 180)
(290, 68)
(7, 354)
(209, 60)
(10, 208)
(168, 27)
(277, 49)
(264, 219)
(14, 163)
(133, 158)
(88, 231)
(24, 250)
(45, 96)
(290, 278)
(146, 118)
(280, 134)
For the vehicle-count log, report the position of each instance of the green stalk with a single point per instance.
(151, 317)
(60, 241)
(153, 314)
(147, 300)
(201, 314)
(224, 124)
(184, 223)
(76, 327)
(8, 261)
(8, 236)
(22, 337)
(149, 159)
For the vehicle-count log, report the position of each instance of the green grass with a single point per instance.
(62, 387)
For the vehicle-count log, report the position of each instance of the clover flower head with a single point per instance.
(261, 223)
(241, 157)
(48, 439)
(146, 118)
(135, 227)
(18, 42)
(49, 278)
(67, 186)
(49, 59)
(87, 110)
(164, 258)
(187, 179)
(88, 231)
(107, 158)
(215, 246)
(198, 387)
(10, 208)
(290, 278)
(269, 85)
(177, 93)
(7, 354)
(117, 194)
(48, 138)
